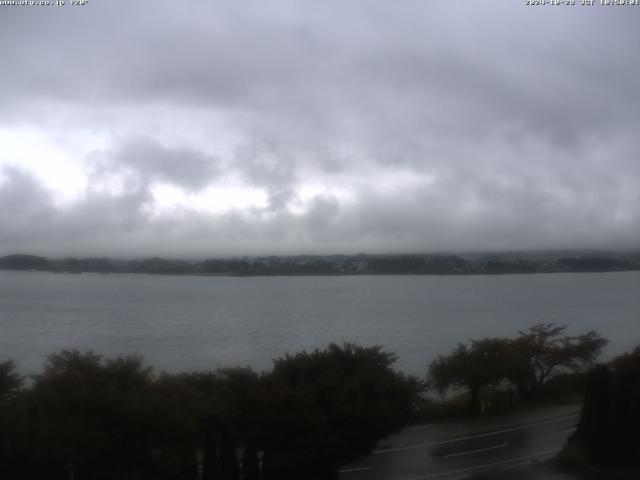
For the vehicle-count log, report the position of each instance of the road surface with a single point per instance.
(480, 452)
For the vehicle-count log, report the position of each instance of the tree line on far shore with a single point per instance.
(359, 264)
(89, 417)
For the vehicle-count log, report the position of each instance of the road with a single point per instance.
(481, 452)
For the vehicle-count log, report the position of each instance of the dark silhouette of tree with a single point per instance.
(12, 442)
(91, 414)
(528, 362)
(480, 364)
(610, 418)
(544, 351)
(219, 410)
(10, 381)
(329, 406)
(113, 418)
(251, 464)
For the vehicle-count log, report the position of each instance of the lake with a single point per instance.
(187, 322)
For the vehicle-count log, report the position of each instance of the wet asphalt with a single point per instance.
(485, 454)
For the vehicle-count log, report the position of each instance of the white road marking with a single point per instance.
(357, 469)
(485, 465)
(565, 430)
(471, 437)
(478, 450)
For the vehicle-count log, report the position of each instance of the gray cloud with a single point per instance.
(26, 208)
(144, 162)
(432, 126)
(270, 167)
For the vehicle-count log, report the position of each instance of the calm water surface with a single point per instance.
(183, 323)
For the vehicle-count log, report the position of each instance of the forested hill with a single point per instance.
(360, 264)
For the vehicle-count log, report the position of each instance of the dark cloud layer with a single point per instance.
(362, 125)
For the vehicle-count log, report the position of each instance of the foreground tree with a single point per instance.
(610, 419)
(528, 362)
(91, 415)
(10, 381)
(330, 406)
(472, 367)
(99, 418)
(544, 351)
(225, 410)
(11, 443)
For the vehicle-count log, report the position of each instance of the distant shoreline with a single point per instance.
(280, 275)
(334, 265)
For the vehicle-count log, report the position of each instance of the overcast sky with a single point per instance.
(207, 128)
